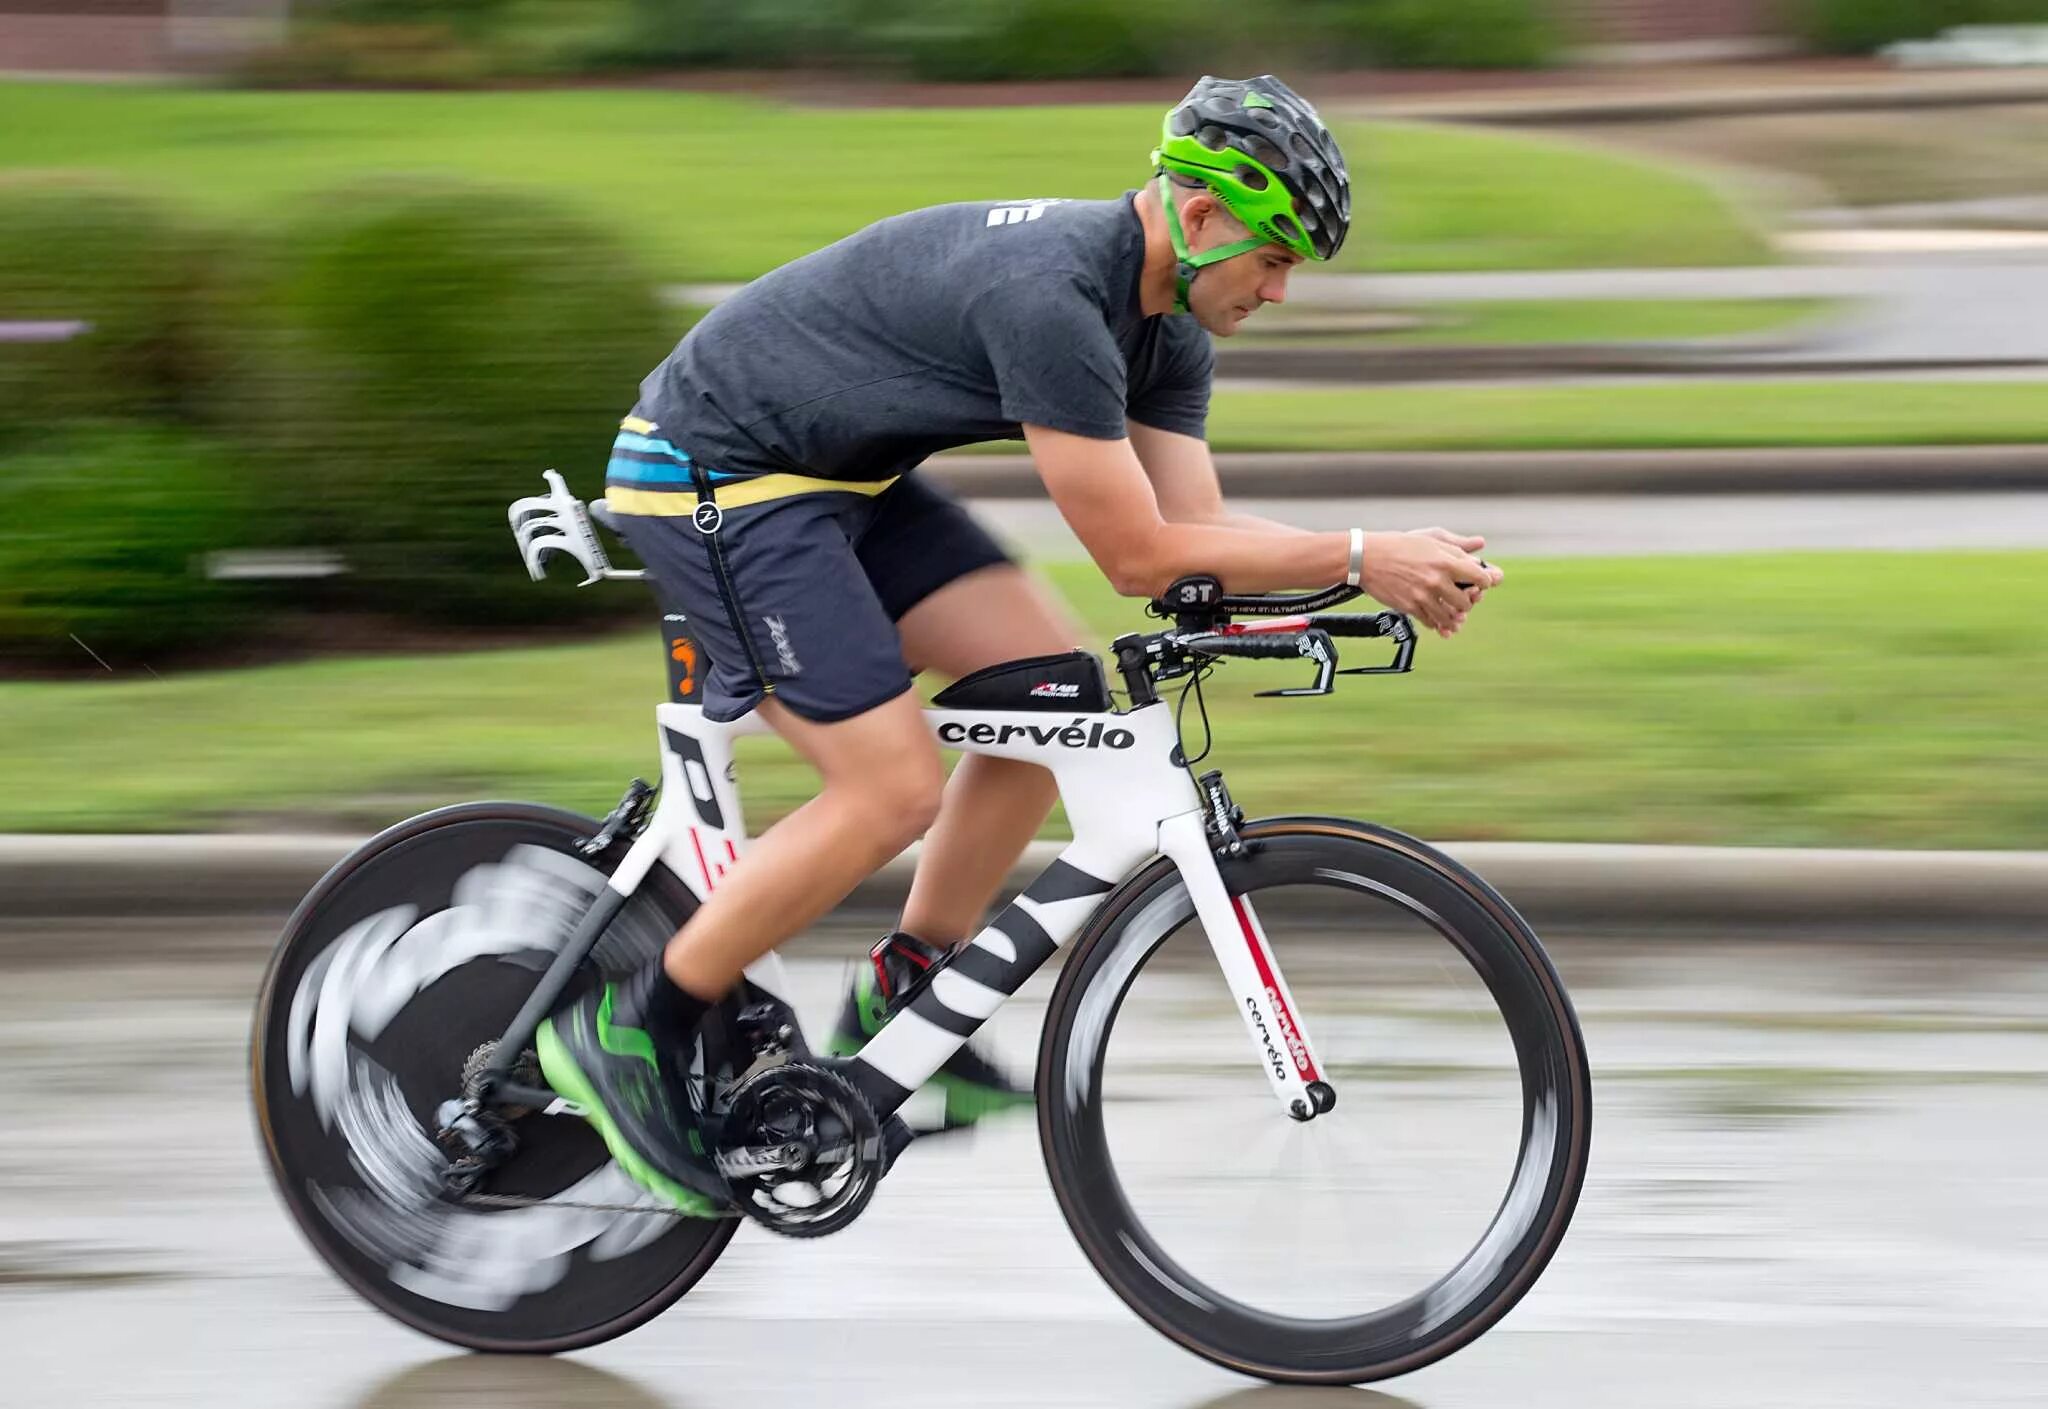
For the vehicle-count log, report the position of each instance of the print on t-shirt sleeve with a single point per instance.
(1170, 392)
(1052, 356)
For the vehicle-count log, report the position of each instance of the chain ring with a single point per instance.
(798, 1103)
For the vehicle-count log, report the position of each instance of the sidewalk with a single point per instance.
(95, 878)
(1431, 473)
(1648, 93)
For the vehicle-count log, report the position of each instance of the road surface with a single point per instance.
(1819, 1176)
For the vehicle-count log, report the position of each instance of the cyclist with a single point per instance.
(766, 477)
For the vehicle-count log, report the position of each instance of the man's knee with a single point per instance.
(898, 799)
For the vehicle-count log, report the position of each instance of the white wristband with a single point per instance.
(1356, 572)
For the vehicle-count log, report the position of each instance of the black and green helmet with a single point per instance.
(1259, 146)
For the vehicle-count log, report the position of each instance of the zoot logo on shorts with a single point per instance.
(707, 516)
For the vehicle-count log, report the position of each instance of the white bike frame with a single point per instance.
(1126, 798)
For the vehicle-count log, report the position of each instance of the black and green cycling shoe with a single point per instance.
(899, 965)
(612, 1072)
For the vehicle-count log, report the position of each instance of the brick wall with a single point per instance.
(130, 36)
(87, 9)
(84, 43)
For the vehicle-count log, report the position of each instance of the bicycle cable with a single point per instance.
(1194, 687)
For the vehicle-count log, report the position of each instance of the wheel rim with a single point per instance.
(1279, 1283)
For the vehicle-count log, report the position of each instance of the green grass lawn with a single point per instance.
(1763, 700)
(1680, 412)
(712, 187)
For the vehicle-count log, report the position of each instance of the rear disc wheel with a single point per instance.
(407, 959)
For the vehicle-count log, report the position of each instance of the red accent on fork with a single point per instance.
(702, 864)
(1290, 1031)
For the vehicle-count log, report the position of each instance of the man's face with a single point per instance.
(1229, 291)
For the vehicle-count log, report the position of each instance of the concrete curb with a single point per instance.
(74, 878)
(1432, 473)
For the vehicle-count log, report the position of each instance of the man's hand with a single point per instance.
(1419, 572)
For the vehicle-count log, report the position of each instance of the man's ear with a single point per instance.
(1199, 212)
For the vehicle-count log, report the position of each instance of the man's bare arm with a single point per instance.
(1103, 493)
(1183, 475)
(1405, 571)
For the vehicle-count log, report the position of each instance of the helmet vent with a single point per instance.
(1266, 152)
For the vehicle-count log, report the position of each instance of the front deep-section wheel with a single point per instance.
(391, 981)
(1389, 1229)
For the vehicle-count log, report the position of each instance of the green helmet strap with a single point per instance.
(1186, 265)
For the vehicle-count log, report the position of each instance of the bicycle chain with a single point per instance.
(528, 1201)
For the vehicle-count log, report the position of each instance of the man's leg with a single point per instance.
(992, 806)
(882, 779)
(615, 1052)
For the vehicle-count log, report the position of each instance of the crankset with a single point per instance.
(802, 1149)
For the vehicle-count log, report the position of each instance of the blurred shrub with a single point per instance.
(1438, 33)
(973, 40)
(104, 534)
(470, 15)
(1033, 39)
(1862, 26)
(431, 349)
(400, 55)
(153, 289)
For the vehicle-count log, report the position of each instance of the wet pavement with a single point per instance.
(1819, 1177)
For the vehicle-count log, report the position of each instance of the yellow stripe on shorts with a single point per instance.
(657, 504)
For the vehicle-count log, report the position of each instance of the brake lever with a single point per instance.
(1316, 645)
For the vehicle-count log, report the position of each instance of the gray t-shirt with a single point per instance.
(931, 330)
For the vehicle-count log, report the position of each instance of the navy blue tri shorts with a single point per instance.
(799, 596)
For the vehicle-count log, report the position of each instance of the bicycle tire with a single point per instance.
(417, 863)
(1470, 1297)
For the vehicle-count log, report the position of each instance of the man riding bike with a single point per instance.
(766, 479)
